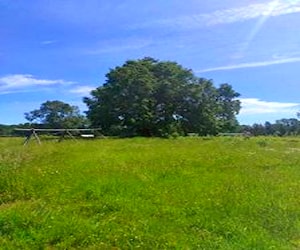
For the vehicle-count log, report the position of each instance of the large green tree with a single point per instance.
(56, 114)
(159, 98)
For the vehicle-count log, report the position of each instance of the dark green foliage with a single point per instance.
(6, 130)
(228, 107)
(152, 98)
(56, 114)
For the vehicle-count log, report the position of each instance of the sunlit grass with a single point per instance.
(185, 193)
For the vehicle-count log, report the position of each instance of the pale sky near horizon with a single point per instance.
(62, 49)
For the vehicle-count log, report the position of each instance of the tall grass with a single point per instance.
(185, 193)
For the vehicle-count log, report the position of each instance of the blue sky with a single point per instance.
(62, 49)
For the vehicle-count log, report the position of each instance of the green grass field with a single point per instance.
(185, 193)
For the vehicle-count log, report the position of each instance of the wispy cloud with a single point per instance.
(17, 82)
(82, 90)
(48, 42)
(231, 15)
(251, 64)
(271, 9)
(254, 106)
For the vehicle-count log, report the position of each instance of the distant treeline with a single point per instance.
(282, 127)
(9, 130)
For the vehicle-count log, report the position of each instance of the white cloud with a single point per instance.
(254, 106)
(251, 64)
(231, 15)
(82, 90)
(17, 82)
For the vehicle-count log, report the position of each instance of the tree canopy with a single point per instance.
(148, 97)
(56, 114)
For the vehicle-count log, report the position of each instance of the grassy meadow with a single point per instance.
(139, 193)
